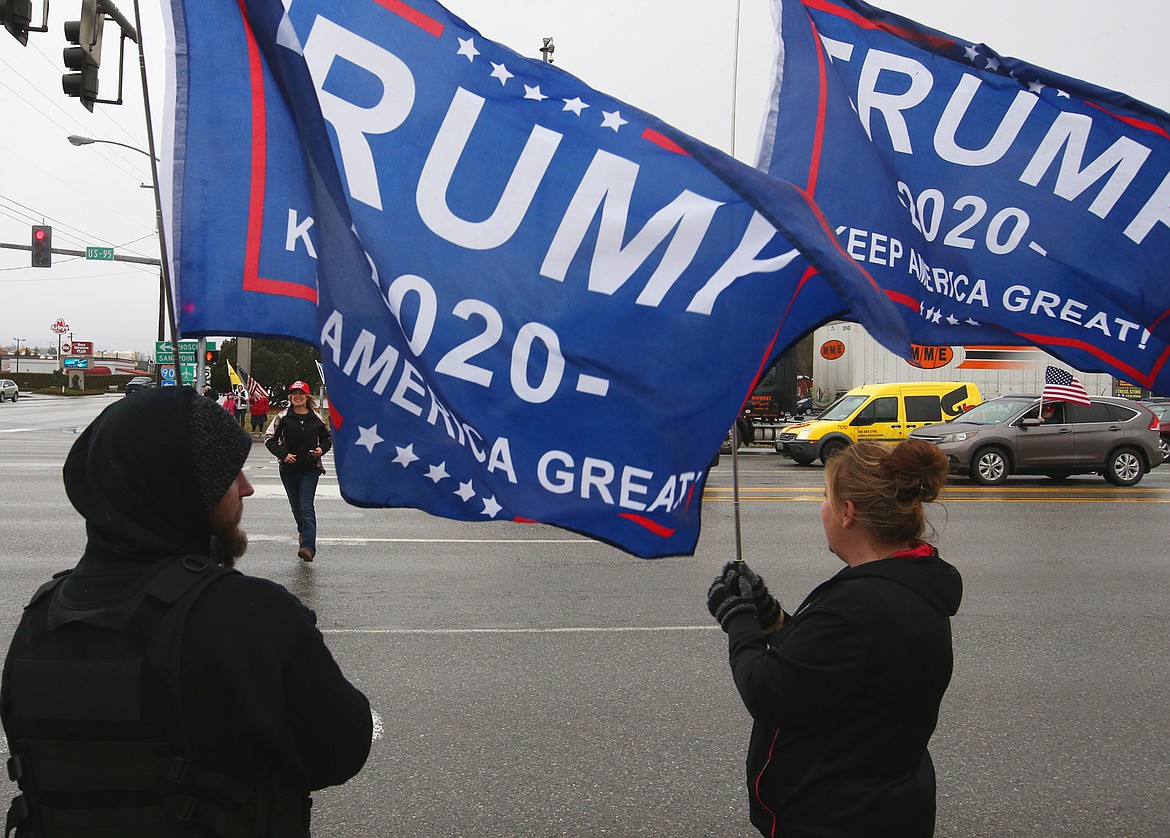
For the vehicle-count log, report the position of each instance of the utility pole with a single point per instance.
(244, 355)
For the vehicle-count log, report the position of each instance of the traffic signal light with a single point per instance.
(211, 356)
(84, 57)
(42, 247)
(17, 15)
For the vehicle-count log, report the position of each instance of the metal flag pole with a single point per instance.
(735, 490)
(735, 76)
(735, 424)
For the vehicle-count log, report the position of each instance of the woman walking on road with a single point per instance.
(845, 691)
(299, 438)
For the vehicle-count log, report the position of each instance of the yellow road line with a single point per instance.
(777, 498)
(960, 499)
(1011, 489)
(1057, 500)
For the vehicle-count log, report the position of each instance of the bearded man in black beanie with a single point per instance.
(153, 690)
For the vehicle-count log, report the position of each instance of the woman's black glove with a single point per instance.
(767, 607)
(729, 595)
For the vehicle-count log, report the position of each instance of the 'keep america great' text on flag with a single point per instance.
(1000, 202)
(533, 301)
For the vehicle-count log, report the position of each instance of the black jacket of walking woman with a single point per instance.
(298, 434)
(845, 692)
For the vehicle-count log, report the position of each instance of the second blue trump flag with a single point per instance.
(1000, 202)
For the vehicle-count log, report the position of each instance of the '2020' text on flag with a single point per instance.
(533, 301)
(1007, 203)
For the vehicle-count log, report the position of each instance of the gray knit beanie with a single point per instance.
(219, 448)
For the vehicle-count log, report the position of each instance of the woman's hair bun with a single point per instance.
(918, 469)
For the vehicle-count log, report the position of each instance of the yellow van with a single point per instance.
(885, 412)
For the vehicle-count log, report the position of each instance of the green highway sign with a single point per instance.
(185, 370)
(105, 254)
(164, 353)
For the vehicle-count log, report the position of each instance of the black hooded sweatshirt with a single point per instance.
(845, 697)
(261, 693)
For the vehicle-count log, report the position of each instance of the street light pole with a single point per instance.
(76, 140)
(164, 298)
(162, 233)
(19, 341)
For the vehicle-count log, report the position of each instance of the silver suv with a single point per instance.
(1117, 438)
(8, 390)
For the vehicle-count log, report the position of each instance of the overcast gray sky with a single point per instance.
(673, 58)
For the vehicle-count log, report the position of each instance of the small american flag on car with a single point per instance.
(1061, 386)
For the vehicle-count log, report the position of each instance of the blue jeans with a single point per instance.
(301, 485)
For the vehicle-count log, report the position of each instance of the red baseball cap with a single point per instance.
(299, 385)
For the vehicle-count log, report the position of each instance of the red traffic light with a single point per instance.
(42, 246)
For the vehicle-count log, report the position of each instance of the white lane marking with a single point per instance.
(267, 491)
(15, 430)
(377, 725)
(562, 630)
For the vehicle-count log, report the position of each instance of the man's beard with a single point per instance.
(233, 540)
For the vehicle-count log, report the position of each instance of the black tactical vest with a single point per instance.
(95, 724)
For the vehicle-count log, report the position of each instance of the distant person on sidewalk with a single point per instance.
(153, 690)
(241, 405)
(299, 438)
(259, 410)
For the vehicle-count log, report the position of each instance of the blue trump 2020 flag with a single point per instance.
(1007, 203)
(533, 301)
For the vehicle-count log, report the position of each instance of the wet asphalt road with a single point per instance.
(531, 682)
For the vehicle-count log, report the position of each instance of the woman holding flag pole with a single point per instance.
(241, 395)
(242, 406)
(845, 691)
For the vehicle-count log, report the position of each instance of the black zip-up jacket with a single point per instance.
(298, 434)
(845, 697)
